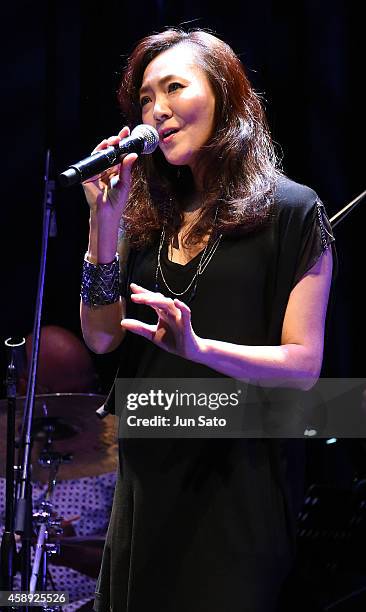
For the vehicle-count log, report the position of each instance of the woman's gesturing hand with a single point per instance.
(107, 193)
(173, 331)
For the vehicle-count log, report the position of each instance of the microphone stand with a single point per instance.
(8, 547)
(23, 515)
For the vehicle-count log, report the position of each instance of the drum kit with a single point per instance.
(65, 424)
(69, 443)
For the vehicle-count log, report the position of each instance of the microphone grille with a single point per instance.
(149, 136)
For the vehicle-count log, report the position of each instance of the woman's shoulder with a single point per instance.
(290, 194)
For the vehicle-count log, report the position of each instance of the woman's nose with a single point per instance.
(161, 110)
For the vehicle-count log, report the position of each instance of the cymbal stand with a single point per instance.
(45, 517)
(341, 214)
(46, 521)
(16, 347)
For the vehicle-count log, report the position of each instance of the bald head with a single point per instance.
(64, 365)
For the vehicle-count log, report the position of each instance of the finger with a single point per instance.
(155, 300)
(122, 180)
(126, 168)
(109, 177)
(103, 176)
(100, 146)
(113, 140)
(119, 176)
(167, 315)
(139, 328)
(161, 312)
(138, 289)
(116, 177)
(184, 310)
(124, 132)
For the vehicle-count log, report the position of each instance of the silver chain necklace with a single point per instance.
(205, 259)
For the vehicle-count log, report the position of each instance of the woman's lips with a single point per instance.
(168, 139)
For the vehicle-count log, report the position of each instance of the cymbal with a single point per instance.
(93, 442)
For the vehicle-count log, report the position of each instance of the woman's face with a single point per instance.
(176, 95)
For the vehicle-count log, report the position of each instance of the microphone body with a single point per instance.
(143, 139)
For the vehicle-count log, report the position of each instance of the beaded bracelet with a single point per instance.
(100, 283)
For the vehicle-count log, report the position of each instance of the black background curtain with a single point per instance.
(60, 71)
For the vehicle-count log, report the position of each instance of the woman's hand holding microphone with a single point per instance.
(107, 195)
(101, 308)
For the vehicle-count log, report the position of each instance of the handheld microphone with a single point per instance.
(143, 139)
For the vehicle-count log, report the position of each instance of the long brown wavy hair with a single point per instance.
(239, 163)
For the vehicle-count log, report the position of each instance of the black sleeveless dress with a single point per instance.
(207, 525)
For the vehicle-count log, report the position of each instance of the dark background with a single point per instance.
(61, 67)
(61, 63)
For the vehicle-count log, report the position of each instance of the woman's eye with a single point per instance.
(144, 101)
(174, 86)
